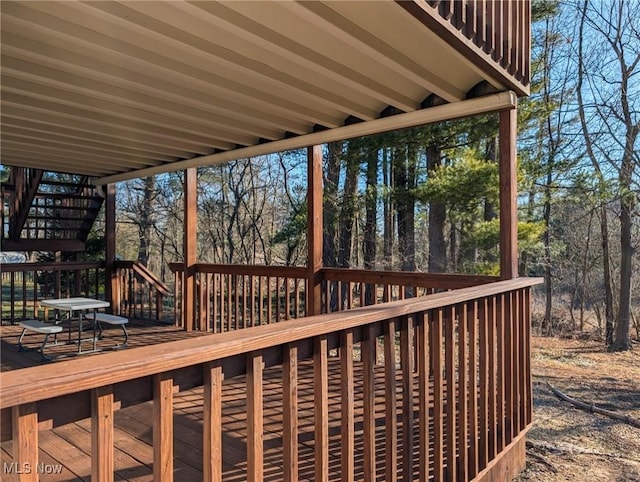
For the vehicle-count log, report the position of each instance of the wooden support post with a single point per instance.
(112, 294)
(314, 229)
(25, 440)
(102, 434)
(162, 427)
(212, 423)
(255, 418)
(508, 195)
(189, 248)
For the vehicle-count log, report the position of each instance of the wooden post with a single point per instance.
(212, 423)
(189, 248)
(112, 291)
(314, 229)
(25, 440)
(508, 195)
(102, 434)
(163, 427)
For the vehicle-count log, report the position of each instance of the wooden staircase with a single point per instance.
(45, 211)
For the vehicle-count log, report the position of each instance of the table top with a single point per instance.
(73, 304)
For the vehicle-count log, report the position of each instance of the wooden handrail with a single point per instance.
(413, 278)
(144, 272)
(43, 382)
(245, 269)
(50, 266)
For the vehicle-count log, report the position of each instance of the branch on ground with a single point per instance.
(593, 408)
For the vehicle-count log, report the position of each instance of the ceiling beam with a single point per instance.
(454, 110)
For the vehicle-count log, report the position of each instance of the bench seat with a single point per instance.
(111, 320)
(40, 327)
(37, 326)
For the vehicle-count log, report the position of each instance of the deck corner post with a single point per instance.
(314, 229)
(508, 194)
(189, 247)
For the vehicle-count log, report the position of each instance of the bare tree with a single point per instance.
(608, 100)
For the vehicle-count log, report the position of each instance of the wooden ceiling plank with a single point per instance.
(158, 86)
(88, 114)
(32, 80)
(338, 26)
(10, 133)
(15, 159)
(39, 117)
(78, 155)
(19, 18)
(61, 133)
(146, 25)
(252, 37)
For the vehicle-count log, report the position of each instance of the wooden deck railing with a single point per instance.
(500, 30)
(139, 293)
(25, 284)
(460, 395)
(343, 289)
(232, 297)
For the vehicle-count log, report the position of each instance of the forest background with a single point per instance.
(426, 198)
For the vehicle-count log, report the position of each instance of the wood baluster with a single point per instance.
(212, 423)
(347, 430)
(422, 340)
(463, 391)
(473, 389)
(290, 413)
(255, 418)
(407, 364)
(321, 408)
(450, 379)
(438, 413)
(368, 388)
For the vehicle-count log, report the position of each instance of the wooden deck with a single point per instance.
(67, 448)
(431, 388)
(141, 333)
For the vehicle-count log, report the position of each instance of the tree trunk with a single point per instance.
(146, 219)
(548, 279)
(622, 340)
(604, 229)
(404, 181)
(330, 203)
(606, 264)
(348, 209)
(370, 231)
(387, 176)
(437, 218)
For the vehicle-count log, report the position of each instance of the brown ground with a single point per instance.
(567, 443)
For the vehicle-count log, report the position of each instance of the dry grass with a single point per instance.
(569, 444)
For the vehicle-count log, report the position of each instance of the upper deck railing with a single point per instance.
(490, 33)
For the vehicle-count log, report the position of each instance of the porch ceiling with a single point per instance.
(119, 90)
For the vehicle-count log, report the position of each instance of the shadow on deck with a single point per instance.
(141, 333)
(67, 448)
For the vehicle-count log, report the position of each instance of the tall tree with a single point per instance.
(608, 101)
